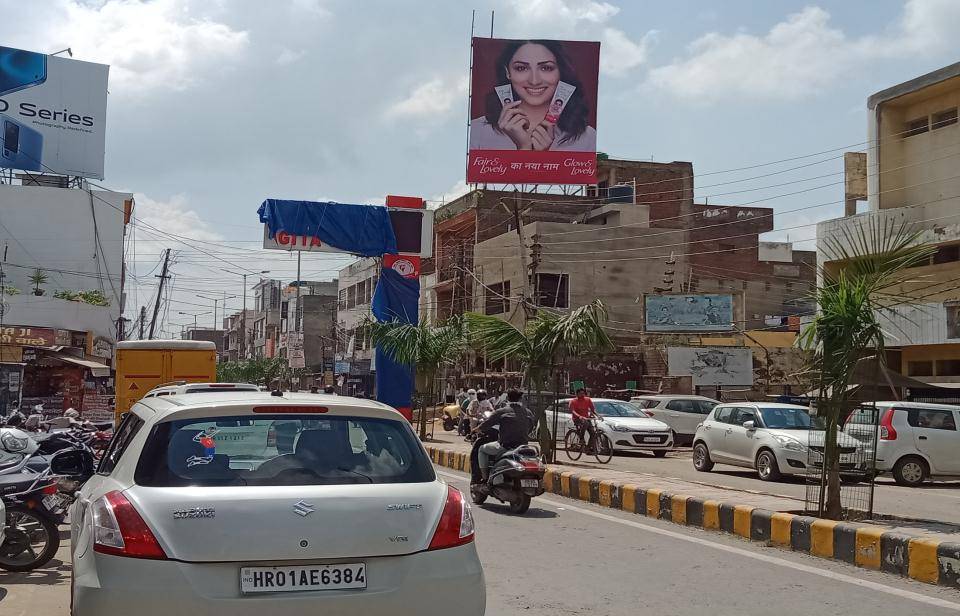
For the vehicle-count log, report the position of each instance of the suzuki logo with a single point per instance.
(303, 509)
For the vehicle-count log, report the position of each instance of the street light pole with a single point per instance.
(243, 315)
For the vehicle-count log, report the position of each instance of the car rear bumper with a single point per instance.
(425, 583)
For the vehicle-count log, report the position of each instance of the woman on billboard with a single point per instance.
(538, 103)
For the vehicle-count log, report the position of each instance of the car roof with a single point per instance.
(165, 406)
(672, 397)
(569, 398)
(766, 405)
(914, 405)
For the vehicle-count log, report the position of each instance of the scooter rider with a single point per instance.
(515, 422)
(478, 407)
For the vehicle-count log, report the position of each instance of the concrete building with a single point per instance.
(232, 334)
(912, 178)
(314, 316)
(215, 336)
(356, 283)
(266, 324)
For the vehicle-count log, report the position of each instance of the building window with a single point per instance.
(947, 254)
(944, 118)
(919, 368)
(916, 127)
(553, 290)
(342, 300)
(948, 367)
(352, 296)
(497, 298)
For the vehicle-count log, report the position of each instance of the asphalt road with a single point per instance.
(566, 557)
(933, 501)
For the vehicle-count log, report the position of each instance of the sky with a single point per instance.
(216, 105)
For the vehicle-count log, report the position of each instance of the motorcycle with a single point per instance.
(35, 509)
(472, 423)
(514, 478)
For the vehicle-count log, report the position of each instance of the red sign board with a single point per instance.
(19, 335)
(405, 265)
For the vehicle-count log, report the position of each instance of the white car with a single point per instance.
(775, 439)
(3, 522)
(682, 413)
(627, 427)
(915, 441)
(354, 520)
(181, 388)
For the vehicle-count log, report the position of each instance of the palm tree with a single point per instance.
(38, 277)
(423, 347)
(542, 346)
(859, 283)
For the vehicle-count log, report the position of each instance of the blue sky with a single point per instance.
(215, 105)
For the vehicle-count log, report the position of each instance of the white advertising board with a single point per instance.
(711, 366)
(53, 113)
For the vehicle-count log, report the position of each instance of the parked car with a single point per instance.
(354, 520)
(774, 439)
(628, 427)
(915, 441)
(682, 413)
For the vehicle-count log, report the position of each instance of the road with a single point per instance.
(566, 557)
(932, 501)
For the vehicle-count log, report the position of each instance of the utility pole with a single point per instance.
(3, 296)
(163, 277)
(143, 319)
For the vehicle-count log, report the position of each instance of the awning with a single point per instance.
(96, 368)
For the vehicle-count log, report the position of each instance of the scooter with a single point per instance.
(514, 478)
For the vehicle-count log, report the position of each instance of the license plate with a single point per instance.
(299, 579)
(51, 502)
(651, 439)
(529, 483)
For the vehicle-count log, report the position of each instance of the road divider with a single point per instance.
(864, 545)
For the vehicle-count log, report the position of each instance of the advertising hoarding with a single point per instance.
(688, 313)
(533, 112)
(53, 113)
(711, 366)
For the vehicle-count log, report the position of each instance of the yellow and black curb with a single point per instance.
(872, 547)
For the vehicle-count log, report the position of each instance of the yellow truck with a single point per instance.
(144, 364)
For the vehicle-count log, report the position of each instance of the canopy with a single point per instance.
(96, 368)
(360, 229)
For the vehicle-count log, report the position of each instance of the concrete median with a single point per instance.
(865, 545)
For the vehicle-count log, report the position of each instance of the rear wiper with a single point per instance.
(353, 472)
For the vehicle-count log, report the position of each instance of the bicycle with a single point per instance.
(575, 446)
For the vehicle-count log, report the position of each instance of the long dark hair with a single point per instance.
(573, 120)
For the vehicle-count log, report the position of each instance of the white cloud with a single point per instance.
(619, 55)
(459, 189)
(801, 55)
(289, 56)
(431, 99)
(563, 14)
(173, 216)
(148, 45)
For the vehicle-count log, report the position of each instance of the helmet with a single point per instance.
(17, 441)
(482, 394)
(71, 412)
(471, 392)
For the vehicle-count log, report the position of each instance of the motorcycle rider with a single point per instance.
(514, 421)
(464, 427)
(478, 407)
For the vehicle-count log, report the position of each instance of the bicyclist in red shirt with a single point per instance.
(582, 410)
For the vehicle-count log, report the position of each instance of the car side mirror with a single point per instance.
(72, 462)
(750, 425)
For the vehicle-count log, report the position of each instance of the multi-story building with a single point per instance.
(267, 306)
(232, 334)
(311, 314)
(356, 284)
(912, 178)
(216, 336)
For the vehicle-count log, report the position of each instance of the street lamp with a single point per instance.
(243, 315)
(194, 315)
(215, 300)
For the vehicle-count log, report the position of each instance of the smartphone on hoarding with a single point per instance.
(22, 146)
(21, 69)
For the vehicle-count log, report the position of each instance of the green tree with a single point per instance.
(866, 266)
(423, 347)
(542, 347)
(38, 278)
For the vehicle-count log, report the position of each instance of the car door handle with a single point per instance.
(922, 438)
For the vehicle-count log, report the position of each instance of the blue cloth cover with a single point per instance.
(395, 299)
(364, 230)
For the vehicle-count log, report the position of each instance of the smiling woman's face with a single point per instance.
(534, 74)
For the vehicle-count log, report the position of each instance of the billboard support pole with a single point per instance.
(473, 25)
(492, 13)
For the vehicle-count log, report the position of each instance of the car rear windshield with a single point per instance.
(644, 403)
(281, 450)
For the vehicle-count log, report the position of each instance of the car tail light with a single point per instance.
(50, 489)
(119, 530)
(272, 437)
(290, 409)
(531, 465)
(456, 522)
(887, 433)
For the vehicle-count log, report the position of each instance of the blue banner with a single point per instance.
(395, 299)
(364, 230)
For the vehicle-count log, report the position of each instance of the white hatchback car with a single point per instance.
(353, 520)
(627, 427)
(682, 413)
(775, 439)
(915, 440)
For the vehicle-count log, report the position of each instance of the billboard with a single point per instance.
(53, 113)
(533, 112)
(711, 366)
(688, 313)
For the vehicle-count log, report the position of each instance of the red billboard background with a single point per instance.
(522, 145)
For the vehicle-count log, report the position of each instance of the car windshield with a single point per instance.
(278, 450)
(644, 403)
(617, 409)
(787, 418)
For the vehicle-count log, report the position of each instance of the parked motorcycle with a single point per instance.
(515, 477)
(35, 509)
